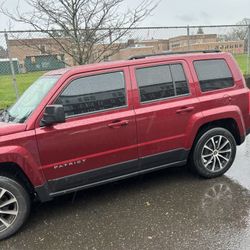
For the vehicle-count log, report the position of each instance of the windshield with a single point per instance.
(29, 101)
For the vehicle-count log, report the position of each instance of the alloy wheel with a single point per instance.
(216, 153)
(8, 209)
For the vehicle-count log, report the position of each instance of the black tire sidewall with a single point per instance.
(23, 200)
(196, 156)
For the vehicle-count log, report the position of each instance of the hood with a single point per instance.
(11, 128)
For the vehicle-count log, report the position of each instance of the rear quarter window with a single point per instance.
(213, 74)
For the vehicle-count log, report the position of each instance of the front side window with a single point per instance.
(163, 81)
(93, 93)
(213, 74)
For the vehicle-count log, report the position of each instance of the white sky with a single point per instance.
(173, 13)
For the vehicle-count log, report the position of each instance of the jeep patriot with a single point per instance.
(79, 127)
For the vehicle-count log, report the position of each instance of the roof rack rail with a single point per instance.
(173, 53)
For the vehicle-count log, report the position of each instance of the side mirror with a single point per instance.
(53, 114)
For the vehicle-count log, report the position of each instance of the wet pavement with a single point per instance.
(170, 209)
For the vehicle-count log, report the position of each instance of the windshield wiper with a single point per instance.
(5, 115)
(25, 117)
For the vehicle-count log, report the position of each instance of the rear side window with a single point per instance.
(93, 93)
(163, 81)
(179, 79)
(213, 74)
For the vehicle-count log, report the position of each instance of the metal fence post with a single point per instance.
(188, 37)
(248, 51)
(11, 66)
(110, 37)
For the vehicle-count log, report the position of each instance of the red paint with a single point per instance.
(6, 128)
(114, 136)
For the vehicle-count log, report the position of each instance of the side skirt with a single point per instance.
(109, 174)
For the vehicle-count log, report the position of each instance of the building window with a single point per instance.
(177, 45)
(213, 74)
(42, 49)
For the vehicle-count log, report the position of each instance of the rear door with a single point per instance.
(98, 140)
(164, 105)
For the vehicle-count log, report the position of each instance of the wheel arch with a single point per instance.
(14, 171)
(228, 117)
(227, 123)
(25, 161)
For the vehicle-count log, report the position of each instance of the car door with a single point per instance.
(165, 102)
(98, 140)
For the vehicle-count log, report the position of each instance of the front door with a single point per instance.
(98, 140)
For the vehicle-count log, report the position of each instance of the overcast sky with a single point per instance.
(174, 12)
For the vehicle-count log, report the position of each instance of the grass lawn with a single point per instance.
(7, 92)
(242, 61)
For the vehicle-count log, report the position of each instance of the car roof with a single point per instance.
(124, 63)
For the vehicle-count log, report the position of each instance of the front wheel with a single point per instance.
(14, 206)
(214, 153)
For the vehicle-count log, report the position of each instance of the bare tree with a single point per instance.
(240, 32)
(86, 30)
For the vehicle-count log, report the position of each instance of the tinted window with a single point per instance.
(213, 74)
(179, 79)
(160, 82)
(94, 93)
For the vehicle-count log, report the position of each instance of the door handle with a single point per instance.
(118, 124)
(184, 109)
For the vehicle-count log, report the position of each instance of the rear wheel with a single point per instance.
(213, 153)
(14, 206)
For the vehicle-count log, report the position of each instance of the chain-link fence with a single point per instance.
(25, 55)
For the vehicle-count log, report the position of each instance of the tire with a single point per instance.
(213, 153)
(19, 206)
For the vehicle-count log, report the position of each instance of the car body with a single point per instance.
(104, 122)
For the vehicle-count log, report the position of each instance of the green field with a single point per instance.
(7, 93)
(242, 61)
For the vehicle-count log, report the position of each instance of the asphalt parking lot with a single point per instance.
(170, 209)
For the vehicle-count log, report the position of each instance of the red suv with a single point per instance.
(80, 127)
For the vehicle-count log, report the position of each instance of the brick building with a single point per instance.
(179, 42)
(205, 42)
(45, 54)
(37, 48)
(135, 47)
